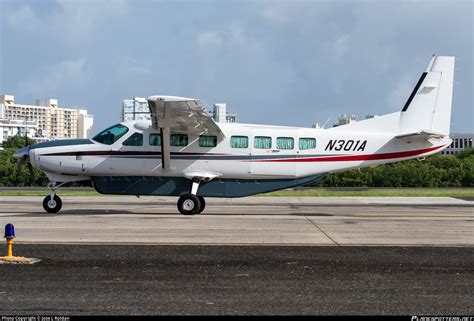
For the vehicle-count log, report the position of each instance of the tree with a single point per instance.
(13, 173)
(18, 142)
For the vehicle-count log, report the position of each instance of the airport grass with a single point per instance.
(298, 192)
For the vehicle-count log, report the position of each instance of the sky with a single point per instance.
(273, 62)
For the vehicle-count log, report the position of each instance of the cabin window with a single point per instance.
(135, 140)
(239, 142)
(207, 141)
(155, 140)
(179, 140)
(262, 142)
(307, 143)
(111, 134)
(285, 143)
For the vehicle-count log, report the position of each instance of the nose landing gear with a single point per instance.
(52, 203)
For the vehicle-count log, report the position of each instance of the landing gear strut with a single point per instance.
(190, 204)
(52, 203)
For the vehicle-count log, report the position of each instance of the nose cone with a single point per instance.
(21, 154)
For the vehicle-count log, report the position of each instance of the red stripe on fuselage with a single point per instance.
(356, 157)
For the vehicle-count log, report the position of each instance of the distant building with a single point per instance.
(9, 128)
(460, 142)
(344, 120)
(221, 115)
(84, 124)
(46, 118)
(135, 109)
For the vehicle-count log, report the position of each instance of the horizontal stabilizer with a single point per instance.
(423, 134)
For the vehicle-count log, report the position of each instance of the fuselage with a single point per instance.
(246, 152)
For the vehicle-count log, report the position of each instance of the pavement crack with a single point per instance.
(297, 208)
(321, 230)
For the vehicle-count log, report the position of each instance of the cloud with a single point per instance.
(80, 19)
(69, 22)
(50, 80)
(284, 62)
(128, 66)
(23, 18)
(209, 39)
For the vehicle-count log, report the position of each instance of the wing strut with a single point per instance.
(165, 147)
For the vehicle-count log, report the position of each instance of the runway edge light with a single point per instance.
(9, 231)
(10, 235)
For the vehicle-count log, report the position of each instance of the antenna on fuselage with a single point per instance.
(324, 125)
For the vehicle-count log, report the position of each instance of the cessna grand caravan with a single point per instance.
(182, 152)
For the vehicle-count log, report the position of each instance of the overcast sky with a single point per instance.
(273, 62)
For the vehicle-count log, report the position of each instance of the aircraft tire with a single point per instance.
(52, 206)
(203, 204)
(189, 204)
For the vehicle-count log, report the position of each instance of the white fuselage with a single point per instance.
(335, 150)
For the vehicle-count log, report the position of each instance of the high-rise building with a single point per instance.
(135, 109)
(221, 115)
(84, 124)
(51, 121)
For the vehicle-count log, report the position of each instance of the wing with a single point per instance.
(179, 114)
(184, 115)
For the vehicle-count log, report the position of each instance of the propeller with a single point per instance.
(22, 157)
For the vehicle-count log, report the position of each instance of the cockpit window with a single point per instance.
(135, 140)
(111, 134)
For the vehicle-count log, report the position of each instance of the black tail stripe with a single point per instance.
(415, 90)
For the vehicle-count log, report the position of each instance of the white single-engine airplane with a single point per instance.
(184, 153)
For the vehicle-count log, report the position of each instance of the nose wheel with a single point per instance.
(52, 205)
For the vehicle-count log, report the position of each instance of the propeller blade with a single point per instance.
(32, 174)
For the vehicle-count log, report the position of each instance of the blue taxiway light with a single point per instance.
(9, 231)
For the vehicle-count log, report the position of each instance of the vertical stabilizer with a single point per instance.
(429, 105)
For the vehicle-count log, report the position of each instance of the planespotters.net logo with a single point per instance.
(415, 318)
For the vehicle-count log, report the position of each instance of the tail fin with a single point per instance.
(429, 106)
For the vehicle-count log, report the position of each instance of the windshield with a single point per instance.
(111, 134)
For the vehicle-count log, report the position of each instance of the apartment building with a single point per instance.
(52, 121)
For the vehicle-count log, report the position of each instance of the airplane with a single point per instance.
(182, 152)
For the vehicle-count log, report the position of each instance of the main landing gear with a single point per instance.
(190, 204)
(52, 203)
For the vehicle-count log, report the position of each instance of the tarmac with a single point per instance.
(239, 280)
(337, 221)
(250, 256)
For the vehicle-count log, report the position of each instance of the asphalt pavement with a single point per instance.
(238, 280)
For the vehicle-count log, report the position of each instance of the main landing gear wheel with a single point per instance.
(189, 204)
(203, 204)
(52, 205)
